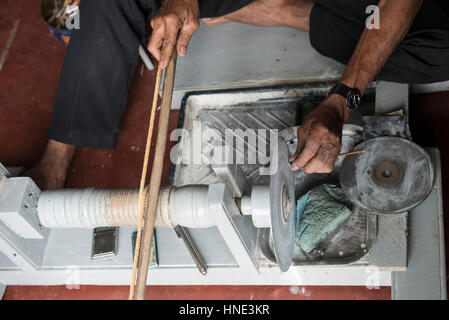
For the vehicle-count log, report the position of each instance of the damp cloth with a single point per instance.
(319, 212)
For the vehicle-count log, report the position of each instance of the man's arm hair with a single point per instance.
(377, 45)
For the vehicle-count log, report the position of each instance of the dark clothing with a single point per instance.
(103, 54)
(422, 56)
(98, 67)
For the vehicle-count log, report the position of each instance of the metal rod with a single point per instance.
(156, 176)
(350, 153)
(182, 233)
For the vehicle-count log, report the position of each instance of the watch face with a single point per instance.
(353, 100)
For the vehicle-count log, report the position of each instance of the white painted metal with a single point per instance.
(295, 276)
(391, 97)
(18, 258)
(6, 263)
(18, 198)
(145, 58)
(260, 203)
(233, 177)
(222, 205)
(236, 55)
(2, 290)
(65, 263)
(425, 277)
(245, 205)
(22, 238)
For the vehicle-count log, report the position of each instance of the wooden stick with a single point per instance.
(156, 176)
(142, 191)
(350, 153)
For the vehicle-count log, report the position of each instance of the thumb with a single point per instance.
(300, 145)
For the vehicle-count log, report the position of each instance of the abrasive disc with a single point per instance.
(393, 175)
(282, 207)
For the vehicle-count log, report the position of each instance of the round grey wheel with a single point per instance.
(283, 207)
(393, 175)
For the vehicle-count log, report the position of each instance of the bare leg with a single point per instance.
(267, 13)
(51, 171)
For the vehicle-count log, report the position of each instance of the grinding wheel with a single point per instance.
(393, 175)
(282, 207)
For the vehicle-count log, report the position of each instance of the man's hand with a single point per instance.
(319, 138)
(175, 16)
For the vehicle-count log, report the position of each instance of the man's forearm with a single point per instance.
(377, 45)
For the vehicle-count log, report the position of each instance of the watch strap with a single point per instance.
(349, 94)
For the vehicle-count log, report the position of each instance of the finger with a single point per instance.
(300, 145)
(185, 35)
(317, 163)
(310, 150)
(298, 151)
(329, 165)
(169, 42)
(157, 36)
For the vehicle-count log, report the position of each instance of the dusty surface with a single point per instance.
(409, 185)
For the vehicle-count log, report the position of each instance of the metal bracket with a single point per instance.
(104, 242)
(234, 178)
(237, 230)
(18, 207)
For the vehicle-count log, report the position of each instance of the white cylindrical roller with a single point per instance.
(91, 208)
(260, 206)
(186, 206)
(246, 206)
(81, 208)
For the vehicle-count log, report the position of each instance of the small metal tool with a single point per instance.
(185, 236)
(350, 153)
(104, 242)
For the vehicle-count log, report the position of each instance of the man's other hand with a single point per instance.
(319, 137)
(175, 16)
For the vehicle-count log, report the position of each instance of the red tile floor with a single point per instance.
(28, 81)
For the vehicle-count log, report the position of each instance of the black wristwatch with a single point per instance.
(352, 95)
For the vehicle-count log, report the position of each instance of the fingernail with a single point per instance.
(163, 64)
(183, 51)
(294, 168)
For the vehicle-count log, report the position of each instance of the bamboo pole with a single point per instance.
(142, 190)
(156, 176)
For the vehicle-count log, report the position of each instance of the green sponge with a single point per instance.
(319, 212)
